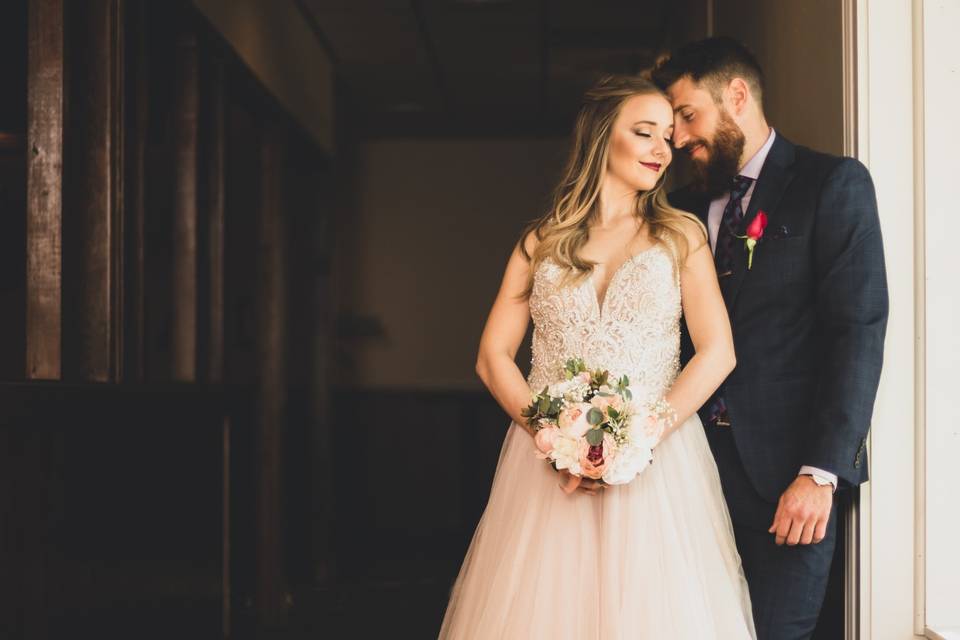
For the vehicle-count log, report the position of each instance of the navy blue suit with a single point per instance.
(808, 322)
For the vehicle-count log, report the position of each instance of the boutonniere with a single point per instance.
(754, 233)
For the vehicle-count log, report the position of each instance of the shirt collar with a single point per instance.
(755, 164)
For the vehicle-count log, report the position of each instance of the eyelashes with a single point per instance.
(644, 134)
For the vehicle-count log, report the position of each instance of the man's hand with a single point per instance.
(803, 512)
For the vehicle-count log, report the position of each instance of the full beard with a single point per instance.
(714, 176)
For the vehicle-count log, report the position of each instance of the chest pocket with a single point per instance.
(781, 261)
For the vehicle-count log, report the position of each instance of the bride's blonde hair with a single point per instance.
(564, 229)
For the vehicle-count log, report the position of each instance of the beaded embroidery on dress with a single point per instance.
(651, 559)
(636, 330)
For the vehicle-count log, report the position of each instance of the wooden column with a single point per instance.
(136, 113)
(184, 248)
(211, 229)
(92, 222)
(271, 383)
(210, 280)
(45, 75)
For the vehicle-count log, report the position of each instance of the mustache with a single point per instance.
(694, 143)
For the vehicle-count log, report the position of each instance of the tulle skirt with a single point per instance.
(654, 559)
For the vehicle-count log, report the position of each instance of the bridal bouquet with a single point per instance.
(590, 425)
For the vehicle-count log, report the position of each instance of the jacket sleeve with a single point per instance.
(852, 309)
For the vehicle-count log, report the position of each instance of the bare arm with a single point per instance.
(502, 335)
(709, 328)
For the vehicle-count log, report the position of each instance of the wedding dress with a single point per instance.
(651, 559)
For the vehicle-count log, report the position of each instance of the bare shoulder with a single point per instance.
(529, 244)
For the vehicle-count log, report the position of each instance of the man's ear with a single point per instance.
(738, 94)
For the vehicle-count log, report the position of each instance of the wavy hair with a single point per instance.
(564, 229)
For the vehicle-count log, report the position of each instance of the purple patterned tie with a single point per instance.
(730, 225)
(715, 411)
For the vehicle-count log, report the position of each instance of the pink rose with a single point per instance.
(573, 420)
(600, 402)
(584, 377)
(545, 438)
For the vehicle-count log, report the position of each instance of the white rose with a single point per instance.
(566, 454)
(628, 464)
(560, 389)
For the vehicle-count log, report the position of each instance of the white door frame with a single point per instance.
(885, 118)
(852, 546)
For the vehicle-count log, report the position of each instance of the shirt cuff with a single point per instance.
(820, 476)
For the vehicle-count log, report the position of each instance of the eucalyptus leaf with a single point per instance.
(544, 405)
(594, 416)
(594, 437)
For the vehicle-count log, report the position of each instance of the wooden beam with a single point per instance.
(271, 321)
(136, 115)
(92, 228)
(184, 255)
(45, 75)
(212, 199)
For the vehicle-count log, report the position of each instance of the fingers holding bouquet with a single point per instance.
(590, 429)
(570, 483)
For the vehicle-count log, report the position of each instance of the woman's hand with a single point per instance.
(570, 483)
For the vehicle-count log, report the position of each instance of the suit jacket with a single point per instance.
(808, 318)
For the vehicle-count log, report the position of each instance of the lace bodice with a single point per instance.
(635, 330)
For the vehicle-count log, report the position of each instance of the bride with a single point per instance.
(601, 275)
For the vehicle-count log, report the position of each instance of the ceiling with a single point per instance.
(479, 67)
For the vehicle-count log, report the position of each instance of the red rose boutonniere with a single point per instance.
(754, 233)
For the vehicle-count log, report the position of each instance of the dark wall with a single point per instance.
(163, 294)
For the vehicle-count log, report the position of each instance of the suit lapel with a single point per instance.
(688, 200)
(701, 208)
(774, 178)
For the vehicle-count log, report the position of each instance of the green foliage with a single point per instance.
(595, 437)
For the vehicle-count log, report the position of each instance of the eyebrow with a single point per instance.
(669, 126)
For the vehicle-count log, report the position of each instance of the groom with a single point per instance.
(808, 307)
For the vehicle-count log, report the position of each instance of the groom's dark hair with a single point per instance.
(713, 63)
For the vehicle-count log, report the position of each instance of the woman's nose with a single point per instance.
(662, 149)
